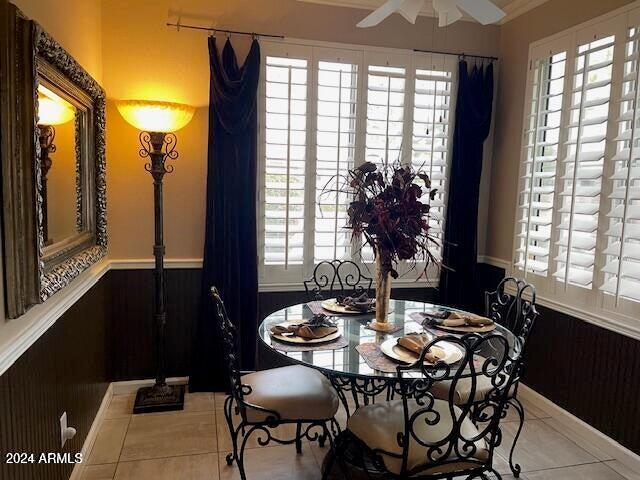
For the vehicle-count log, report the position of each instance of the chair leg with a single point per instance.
(515, 403)
(299, 437)
(240, 458)
(228, 409)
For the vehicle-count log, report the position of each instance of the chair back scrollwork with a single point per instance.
(453, 434)
(239, 390)
(513, 305)
(337, 276)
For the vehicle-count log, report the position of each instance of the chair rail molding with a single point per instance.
(18, 334)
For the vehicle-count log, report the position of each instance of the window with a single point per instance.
(323, 111)
(578, 216)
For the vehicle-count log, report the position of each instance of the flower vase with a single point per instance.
(383, 298)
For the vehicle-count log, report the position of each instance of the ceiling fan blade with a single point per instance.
(482, 10)
(410, 9)
(447, 17)
(373, 19)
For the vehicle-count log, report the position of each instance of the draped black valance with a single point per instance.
(230, 246)
(472, 124)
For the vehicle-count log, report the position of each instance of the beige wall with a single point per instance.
(145, 59)
(552, 17)
(75, 24)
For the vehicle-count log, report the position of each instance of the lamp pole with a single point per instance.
(158, 147)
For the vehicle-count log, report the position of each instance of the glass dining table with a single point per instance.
(356, 381)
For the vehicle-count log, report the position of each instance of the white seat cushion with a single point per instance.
(295, 392)
(378, 426)
(463, 389)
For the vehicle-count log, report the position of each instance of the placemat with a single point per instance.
(420, 318)
(377, 360)
(374, 357)
(337, 344)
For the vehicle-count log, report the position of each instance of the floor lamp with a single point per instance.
(157, 121)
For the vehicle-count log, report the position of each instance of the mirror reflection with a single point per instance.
(57, 119)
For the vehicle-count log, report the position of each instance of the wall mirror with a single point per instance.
(53, 164)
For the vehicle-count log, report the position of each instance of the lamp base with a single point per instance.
(159, 398)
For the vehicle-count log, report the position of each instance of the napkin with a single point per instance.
(318, 327)
(458, 319)
(416, 342)
(304, 330)
(361, 303)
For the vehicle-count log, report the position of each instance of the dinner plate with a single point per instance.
(333, 306)
(391, 349)
(290, 338)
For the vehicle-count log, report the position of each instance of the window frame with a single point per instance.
(276, 277)
(593, 304)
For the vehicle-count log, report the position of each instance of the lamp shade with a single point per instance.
(53, 109)
(152, 116)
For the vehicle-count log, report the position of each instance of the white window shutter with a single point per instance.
(581, 185)
(285, 158)
(622, 253)
(336, 128)
(541, 150)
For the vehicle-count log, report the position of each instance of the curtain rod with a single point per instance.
(221, 30)
(455, 54)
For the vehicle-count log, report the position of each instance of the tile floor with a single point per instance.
(192, 444)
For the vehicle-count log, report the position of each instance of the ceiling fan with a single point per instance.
(448, 12)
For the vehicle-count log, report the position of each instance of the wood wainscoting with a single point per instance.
(64, 370)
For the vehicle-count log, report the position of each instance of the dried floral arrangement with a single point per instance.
(391, 212)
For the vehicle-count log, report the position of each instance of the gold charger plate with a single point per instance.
(332, 305)
(294, 339)
(450, 353)
(467, 328)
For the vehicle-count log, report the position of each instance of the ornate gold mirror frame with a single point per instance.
(34, 271)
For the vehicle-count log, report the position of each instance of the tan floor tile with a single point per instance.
(531, 412)
(595, 471)
(623, 470)
(284, 432)
(109, 440)
(190, 467)
(155, 436)
(121, 406)
(99, 472)
(589, 447)
(271, 463)
(199, 402)
(541, 447)
(218, 398)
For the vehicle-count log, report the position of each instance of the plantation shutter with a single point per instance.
(430, 133)
(285, 147)
(581, 185)
(622, 266)
(542, 145)
(336, 128)
(386, 86)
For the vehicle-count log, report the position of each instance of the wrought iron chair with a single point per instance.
(267, 399)
(421, 437)
(512, 305)
(337, 276)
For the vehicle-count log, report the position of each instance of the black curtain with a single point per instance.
(230, 246)
(472, 124)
